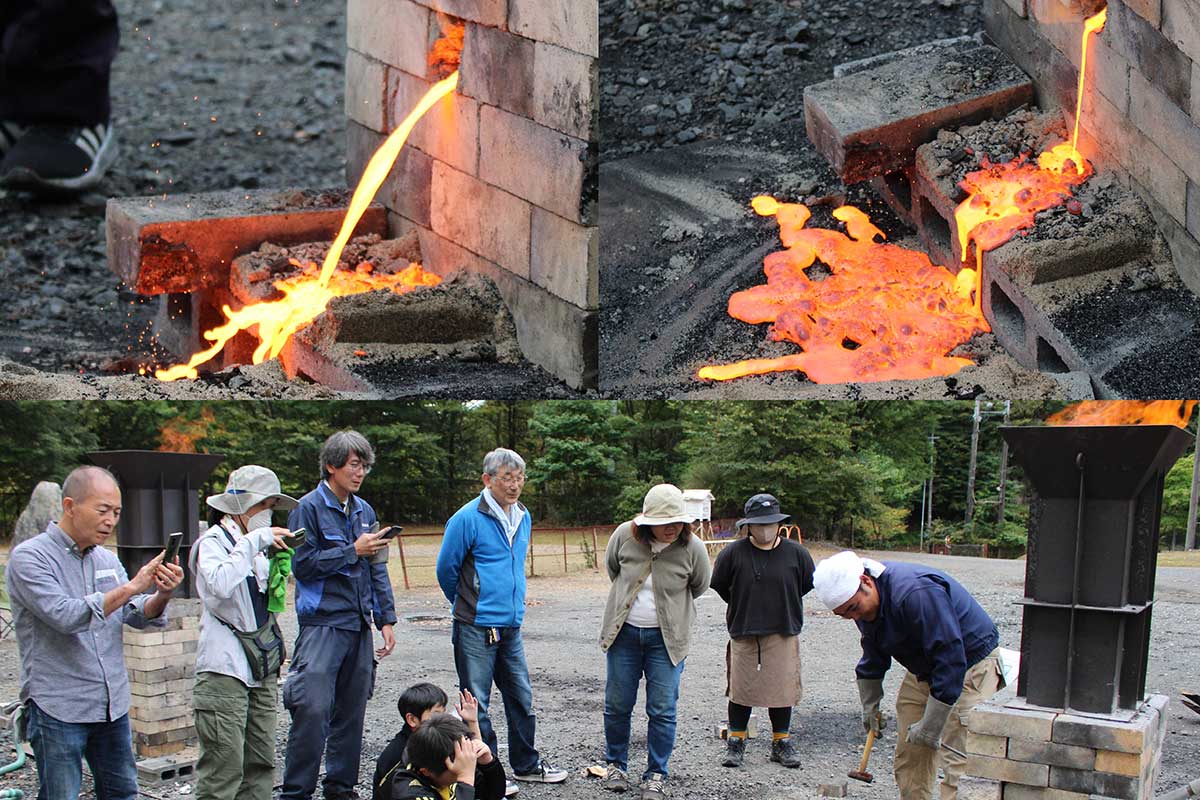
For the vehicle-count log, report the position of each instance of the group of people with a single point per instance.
(72, 597)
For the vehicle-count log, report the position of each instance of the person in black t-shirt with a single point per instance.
(763, 578)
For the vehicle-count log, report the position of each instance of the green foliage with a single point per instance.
(628, 503)
(1177, 489)
(576, 465)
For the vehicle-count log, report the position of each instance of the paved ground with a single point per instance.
(568, 677)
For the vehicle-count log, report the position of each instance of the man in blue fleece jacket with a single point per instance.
(481, 569)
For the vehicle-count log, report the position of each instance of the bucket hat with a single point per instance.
(248, 486)
(762, 509)
(663, 505)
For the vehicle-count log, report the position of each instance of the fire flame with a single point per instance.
(1126, 412)
(899, 312)
(304, 300)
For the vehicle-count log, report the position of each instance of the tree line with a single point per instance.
(845, 471)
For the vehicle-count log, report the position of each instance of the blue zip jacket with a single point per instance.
(334, 587)
(479, 572)
(930, 624)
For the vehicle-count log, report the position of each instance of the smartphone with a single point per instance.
(391, 533)
(295, 538)
(173, 542)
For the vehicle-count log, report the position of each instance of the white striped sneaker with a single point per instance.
(59, 157)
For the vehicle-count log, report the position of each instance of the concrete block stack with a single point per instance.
(499, 178)
(161, 665)
(1016, 752)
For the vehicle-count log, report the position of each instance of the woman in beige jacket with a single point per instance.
(657, 568)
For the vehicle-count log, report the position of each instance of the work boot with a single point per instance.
(784, 752)
(735, 751)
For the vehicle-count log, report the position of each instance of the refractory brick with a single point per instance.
(1002, 769)
(871, 122)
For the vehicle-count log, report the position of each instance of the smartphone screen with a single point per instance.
(173, 542)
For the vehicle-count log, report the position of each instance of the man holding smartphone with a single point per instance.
(340, 593)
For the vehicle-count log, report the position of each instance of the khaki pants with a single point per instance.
(916, 766)
(236, 726)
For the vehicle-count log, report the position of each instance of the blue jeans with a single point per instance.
(479, 664)
(60, 748)
(636, 652)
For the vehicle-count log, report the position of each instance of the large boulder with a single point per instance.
(44, 505)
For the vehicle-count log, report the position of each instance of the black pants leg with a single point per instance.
(55, 60)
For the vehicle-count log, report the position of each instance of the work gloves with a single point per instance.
(928, 732)
(870, 692)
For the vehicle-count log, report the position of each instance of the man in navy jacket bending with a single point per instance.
(481, 569)
(928, 622)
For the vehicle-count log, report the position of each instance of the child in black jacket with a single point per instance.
(446, 763)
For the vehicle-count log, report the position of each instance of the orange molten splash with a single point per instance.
(1126, 412)
(1004, 198)
(885, 312)
(303, 301)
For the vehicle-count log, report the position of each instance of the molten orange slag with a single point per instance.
(305, 298)
(887, 313)
(1125, 412)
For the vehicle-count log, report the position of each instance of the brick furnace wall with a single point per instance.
(1141, 110)
(499, 178)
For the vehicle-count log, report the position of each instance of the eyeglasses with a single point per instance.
(358, 466)
(514, 479)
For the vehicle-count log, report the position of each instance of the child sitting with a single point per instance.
(446, 763)
(416, 705)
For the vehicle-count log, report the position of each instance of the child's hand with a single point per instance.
(482, 753)
(463, 765)
(468, 707)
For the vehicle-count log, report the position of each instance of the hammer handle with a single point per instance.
(862, 767)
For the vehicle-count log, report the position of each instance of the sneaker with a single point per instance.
(510, 788)
(545, 773)
(616, 780)
(9, 133)
(59, 157)
(654, 787)
(784, 752)
(735, 751)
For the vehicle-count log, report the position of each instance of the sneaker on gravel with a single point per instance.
(654, 787)
(616, 780)
(9, 133)
(511, 788)
(545, 773)
(784, 752)
(59, 157)
(735, 751)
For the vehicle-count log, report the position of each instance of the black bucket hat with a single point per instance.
(762, 509)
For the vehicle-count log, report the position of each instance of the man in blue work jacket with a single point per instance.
(339, 593)
(928, 622)
(481, 569)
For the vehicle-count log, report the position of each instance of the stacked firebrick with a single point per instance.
(1143, 114)
(161, 664)
(500, 178)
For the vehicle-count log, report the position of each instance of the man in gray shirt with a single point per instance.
(70, 600)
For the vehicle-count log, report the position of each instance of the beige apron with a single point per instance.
(763, 671)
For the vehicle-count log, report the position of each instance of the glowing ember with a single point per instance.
(1126, 412)
(275, 321)
(885, 312)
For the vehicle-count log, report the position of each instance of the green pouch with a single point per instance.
(264, 648)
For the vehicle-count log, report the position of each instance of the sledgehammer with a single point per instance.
(861, 773)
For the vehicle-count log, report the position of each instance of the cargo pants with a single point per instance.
(236, 725)
(916, 766)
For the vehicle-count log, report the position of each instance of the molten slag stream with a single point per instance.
(1125, 412)
(304, 300)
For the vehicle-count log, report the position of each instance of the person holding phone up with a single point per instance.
(240, 648)
(340, 593)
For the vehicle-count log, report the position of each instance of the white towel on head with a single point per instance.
(837, 578)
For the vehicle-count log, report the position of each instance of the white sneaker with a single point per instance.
(545, 773)
(511, 788)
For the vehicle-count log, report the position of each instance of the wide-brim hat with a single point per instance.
(247, 487)
(762, 509)
(663, 505)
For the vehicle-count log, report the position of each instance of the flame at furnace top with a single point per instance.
(1125, 412)
(303, 301)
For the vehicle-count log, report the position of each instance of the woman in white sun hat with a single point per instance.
(235, 700)
(658, 569)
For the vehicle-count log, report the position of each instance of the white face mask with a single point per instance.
(260, 520)
(764, 535)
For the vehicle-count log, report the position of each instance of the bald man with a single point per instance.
(71, 600)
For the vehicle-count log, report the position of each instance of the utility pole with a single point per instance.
(971, 469)
(921, 540)
(929, 505)
(1189, 541)
(1003, 466)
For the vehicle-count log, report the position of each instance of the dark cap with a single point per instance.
(762, 509)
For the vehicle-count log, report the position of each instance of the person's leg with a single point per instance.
(623, 672)
(220, 706)
(915, 766)
(512, 679)
(58, 749)
(475, 663)
(258, 760)
(55, 60)
(782, 750)
(662, 697)
(735, 737)
(981, 682)
(781, 721)
(110, 756)
(355, 683)
(308, 695)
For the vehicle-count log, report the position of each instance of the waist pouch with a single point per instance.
(264, 647)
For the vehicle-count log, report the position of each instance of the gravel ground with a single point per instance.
(207, 96)
(567, 670)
